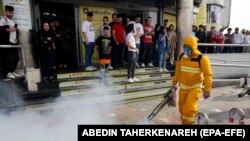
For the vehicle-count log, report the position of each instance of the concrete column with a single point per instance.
(32, 75)
(161, 11)
(184, 22)
(25, 39)
(160, 6)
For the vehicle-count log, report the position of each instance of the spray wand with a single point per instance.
(169, 98)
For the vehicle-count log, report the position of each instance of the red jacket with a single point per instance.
(212, 37)
(119, 32)
(220, 38)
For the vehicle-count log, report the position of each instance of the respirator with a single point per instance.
(187, 51)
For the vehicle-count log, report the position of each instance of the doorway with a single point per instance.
(65, 15)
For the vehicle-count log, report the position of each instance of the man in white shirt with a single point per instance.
(88, 40)
(138, 32)
(237, 39)
(8, 33)
(105, 23)
(246, 40)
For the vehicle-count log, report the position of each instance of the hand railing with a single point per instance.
(18, 47)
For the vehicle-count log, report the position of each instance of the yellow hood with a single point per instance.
(191, 41)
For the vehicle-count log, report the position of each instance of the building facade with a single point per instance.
(30, 14)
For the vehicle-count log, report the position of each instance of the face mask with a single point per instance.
(187, 52)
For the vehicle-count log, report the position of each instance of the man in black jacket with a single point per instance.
(8, 33)
(201, 35)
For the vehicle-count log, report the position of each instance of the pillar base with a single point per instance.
(33, 76)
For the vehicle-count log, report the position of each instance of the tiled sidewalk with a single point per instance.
(216, 107)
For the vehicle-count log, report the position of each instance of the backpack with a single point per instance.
(198, 59)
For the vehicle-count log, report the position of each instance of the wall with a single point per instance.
(201, 17)
(171, 19)
(216, 2)
(226, 13)
(220, 71)
(153, 15)
(223, 11)
(22, 13)
(1, 8)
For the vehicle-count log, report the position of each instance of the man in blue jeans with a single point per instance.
(88, 40)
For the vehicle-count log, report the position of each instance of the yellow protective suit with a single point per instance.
(191, 75)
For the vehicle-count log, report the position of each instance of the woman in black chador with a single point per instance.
(47, 53)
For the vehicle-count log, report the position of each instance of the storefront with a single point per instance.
(70, 14)
(30, 14)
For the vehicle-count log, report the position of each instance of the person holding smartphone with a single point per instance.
(8, 33)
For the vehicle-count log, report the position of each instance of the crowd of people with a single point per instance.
(129, 45)
(217, 37)
(149, 46)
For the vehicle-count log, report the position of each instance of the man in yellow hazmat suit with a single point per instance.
(192, 71)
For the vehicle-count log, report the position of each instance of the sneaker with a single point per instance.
(136, 79)
(137, 65)
(165, 70)
(16, 75)
(10, 76)
(60, 66)
(150, 65)
(160, 70)
(102, 70)
(65, 66)
(52, 79)
(88, 68)
(109, 67)
(130, 80)
(6, 79)
(93, 68)
(45, 80)
(172, 62)
(142, 65)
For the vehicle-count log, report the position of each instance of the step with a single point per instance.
(47, 86)
(142, 77)
(126, 87)
(118, 79)
(80, 100)
(77, 83)
(77, 75)
(137, 71)
(120, 72)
